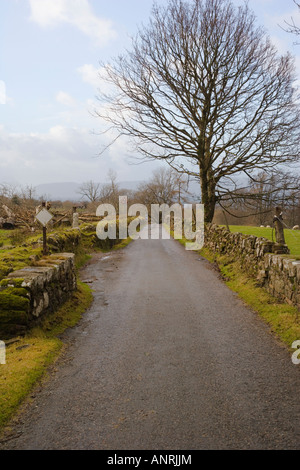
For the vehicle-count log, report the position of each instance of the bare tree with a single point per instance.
(8, 190)
(28, 194)
(204, 90)
(112, 177)
(90, 191)
(109, 192)
(165, 186)
(263, 192)
(292, 27)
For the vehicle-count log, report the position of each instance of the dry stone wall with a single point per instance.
(28, 294)
(278, 273)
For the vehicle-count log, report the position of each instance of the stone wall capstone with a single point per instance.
(30, 293)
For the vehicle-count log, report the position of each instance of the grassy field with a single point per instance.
(292, 237)
(6, 237)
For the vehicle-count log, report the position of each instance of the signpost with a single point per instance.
(44, 218)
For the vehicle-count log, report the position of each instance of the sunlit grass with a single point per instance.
(292, 237)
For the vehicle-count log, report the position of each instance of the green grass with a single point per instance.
(292, 237)
(28, 359)
(283, 319)
(122, 244)
(26, 254)
(14, 237)
(5, 237)
(17, 258)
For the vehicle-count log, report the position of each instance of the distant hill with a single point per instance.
(68, 191)
(59, 191)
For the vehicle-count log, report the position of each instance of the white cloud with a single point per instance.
(2, 92)
(61, 154)
(65, 99)
(4, 98)
(78, 13)
(90, 74)
(97, 78)
(281, 44)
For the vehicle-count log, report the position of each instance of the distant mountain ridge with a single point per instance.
(69, 191)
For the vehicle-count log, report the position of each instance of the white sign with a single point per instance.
(44, 217)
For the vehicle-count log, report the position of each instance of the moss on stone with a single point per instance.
(15, 282)
(14, 259)
(14, 298)
(5, 270)
(12, 317)
(14, 310)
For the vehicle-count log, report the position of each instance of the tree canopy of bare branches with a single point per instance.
(203, 89)
(291, 26)
(165, 186)
(101, 193)
(261, 194)
(90, 191)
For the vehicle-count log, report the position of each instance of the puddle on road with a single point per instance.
(105, 257)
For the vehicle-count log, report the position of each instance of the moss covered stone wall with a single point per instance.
(29, 293)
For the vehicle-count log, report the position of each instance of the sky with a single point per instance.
(50, 54)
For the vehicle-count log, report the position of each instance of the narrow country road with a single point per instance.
(167, 358)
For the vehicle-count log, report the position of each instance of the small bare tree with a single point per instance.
(28, 195)
(90, 191)
(7, 190)
(204, 90)
(165, 186)
(109, 192)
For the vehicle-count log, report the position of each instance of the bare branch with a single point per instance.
(204, 90)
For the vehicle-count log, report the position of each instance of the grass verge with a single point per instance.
(283, 319)
(28, 359)
(122, 244)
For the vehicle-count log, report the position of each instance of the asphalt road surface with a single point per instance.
(167, 358)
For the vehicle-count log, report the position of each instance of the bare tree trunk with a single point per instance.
(208, 195)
